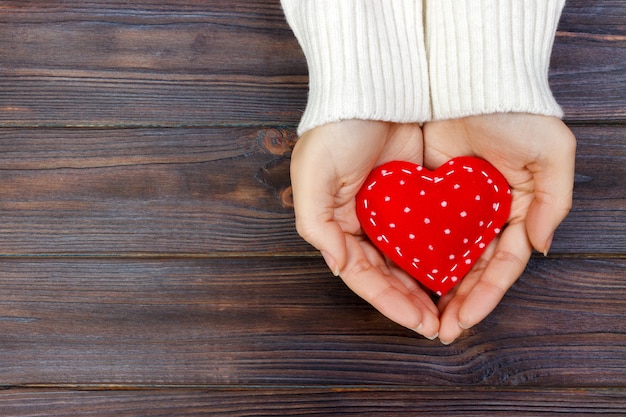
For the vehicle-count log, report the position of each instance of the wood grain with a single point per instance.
(388, 402)
(208, 190)
(148, 64)
(591, 38)
(288, 321)
(148, 259)
(180, 190)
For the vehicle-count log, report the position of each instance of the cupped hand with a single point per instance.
(328, 166)
(536, 155)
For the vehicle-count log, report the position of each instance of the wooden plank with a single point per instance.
(599, 194)
(590, 38)
(315, 402)
(175, 191)
(146, 63)
(202, 191)
(256, 13)
(227, 63)
(603, 17)
(287, 321)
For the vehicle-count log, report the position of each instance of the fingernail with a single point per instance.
(464, 326)
(332, 264)
(548, 245)
(418, 329)
(446, 343)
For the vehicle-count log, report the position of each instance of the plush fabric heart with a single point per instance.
(434, 224)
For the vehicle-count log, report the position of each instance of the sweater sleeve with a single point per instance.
(488, 56)
(366, 60)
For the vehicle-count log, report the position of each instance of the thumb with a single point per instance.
(328, 238)
(554, 183)
(314, 192)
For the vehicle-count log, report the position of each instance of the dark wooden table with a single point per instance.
(148, 259)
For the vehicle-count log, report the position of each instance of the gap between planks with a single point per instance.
(322, 387)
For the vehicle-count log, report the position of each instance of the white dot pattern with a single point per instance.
(434, 225)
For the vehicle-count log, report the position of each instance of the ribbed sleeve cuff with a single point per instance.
(488, 56)
(366, 60)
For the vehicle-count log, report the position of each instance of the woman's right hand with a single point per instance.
(328, 167)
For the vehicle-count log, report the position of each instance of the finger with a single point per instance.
(554, 182)
(451, 303)
(415, 288)
(449, 329)
(508, 262)
(366, 274)
(314, 206)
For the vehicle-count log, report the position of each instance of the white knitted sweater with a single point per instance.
(421, 60)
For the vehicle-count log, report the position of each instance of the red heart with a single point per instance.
(434, 224)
